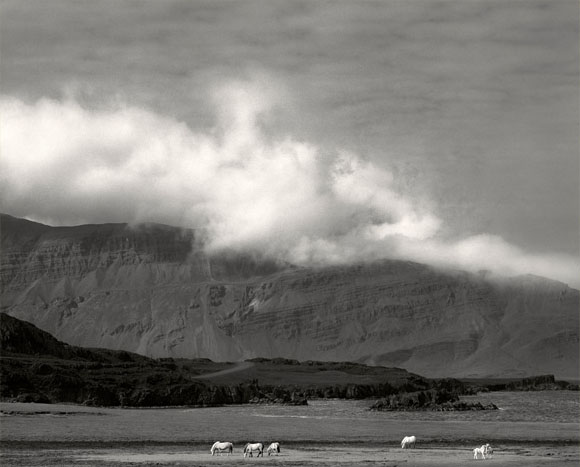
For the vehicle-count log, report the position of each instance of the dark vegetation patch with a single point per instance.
(534, 383)
(36, 367)
(431, 399)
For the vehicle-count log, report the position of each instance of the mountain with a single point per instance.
(152, 289)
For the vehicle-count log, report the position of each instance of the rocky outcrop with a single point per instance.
(434, 400)
(153, 290)
(36, 367)
(533, 383)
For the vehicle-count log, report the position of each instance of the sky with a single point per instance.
(314, 132)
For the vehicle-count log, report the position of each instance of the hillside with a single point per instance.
(36, 367)
(153, 290)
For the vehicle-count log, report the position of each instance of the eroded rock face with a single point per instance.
(33, 252)
(154, 291)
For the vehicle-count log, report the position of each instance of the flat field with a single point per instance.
(313, 455)
(532, 429)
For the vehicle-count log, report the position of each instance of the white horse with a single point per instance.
(485, 451)
(251, 447)
(221, 447)
(489, 451)
(273, 448)
(408, 442)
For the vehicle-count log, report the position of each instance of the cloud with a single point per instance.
(292, 200)
(494, 255)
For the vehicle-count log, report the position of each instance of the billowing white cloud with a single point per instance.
(493, 254)
(289, 199)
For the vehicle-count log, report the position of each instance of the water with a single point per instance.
(549, 415)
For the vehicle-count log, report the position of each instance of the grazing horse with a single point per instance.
(273, 448)
(408, 442)
(488, 451)
(250, 448)
(221, 447)
(484, 450)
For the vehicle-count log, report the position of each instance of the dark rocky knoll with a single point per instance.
(428, 400)
(36, 367)
(152, 289)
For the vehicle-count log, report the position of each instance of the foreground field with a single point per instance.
(532, 429)
(31, 454)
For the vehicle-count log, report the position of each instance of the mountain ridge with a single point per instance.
(153, 290)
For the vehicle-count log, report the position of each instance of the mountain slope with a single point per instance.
(153, 290)
(36, 367)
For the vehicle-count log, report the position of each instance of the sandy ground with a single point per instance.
(317, 455)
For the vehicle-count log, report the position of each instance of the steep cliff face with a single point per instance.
(33, 252)
(153, 290)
